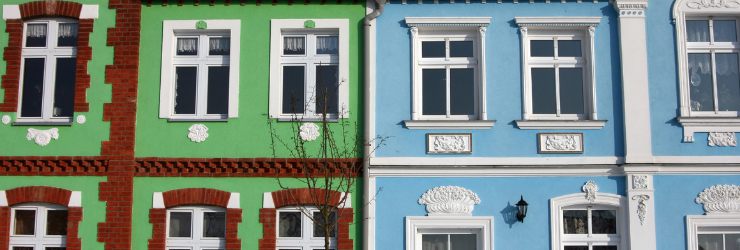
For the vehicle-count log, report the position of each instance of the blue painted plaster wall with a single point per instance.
(503, 72)
(674, 199)
(667, 133)
(399, 198)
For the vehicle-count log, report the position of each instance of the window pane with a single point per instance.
(575, 247)
(434, 242)
(543, 91)
(327, 94)
(434, 91)
(214, 224)
(571, 91)
(290, 224)
(605, 248)
(461, 49)
(463, 242)
(25, 222)
(67, 36)
(293, 89)
(604, 221)
(569, 48)
(724, 31)
(728, 82)
(218, 90)
(575, 221)
(55, 248)
(541, 48)
(732, 241)
(219, 46)
(36, 35)
(187, 46)
(462, 92)
(180, 223)
(33, 87)
(294, 45)
(64, 87)
(22, 248)
(56, 222)
(697, 31)
(185, 89)
(318, 229)
(327, 45)
(700, 79)
(710, 241)
(432, 49)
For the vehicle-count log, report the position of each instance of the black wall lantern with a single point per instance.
(521, 209)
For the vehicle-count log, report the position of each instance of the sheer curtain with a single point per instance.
(294, 44)
(187, 45)
(327, 44)
(697, 31)
(36, 30)
(68, 30)
(220, 44)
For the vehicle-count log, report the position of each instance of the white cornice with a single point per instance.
(426, 171)
(557, 21)
(447, 21)
(494, 161)
(697, 159)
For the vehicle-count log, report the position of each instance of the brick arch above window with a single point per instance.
(196, 196)
(300, 196)
(50, 8)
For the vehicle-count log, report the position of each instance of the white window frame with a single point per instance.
(174, 28)
(196, 241)
(50, 53)
(716, 223)
(559, 29)
(578, 201)
(416, 226)
(296, 27)
(39, 240)
(307, 241)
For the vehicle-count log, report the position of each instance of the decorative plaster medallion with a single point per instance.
(309, 131)
(201, 25)
(698, 4)
(639, 181)
(449, 143)
(561, 143)
(641, 207)
(42, 137)
(590, 188)
(198, 132)
(722, 139)
(6, 119)
(720, 198)
(449, 200)
(81, 119)
(309, 24)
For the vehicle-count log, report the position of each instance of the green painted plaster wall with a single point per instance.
(78, 139)
(93, 210)
(250, 190)
(248, 135)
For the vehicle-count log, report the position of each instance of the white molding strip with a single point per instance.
(89, 11)
(11, 12)
(75, 200)
(158, 200)
(418, 171)
(697, 159)
(3, 199)
(233, 201)
(488, 161)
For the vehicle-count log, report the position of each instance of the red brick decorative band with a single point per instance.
(228, 2)
(196, 196)
(52, 165)
(231, 167)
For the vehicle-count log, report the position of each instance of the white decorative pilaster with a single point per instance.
(635, 97)
(641, 210)
(415, 51)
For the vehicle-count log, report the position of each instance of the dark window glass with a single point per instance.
(434, 242)
(55, 248)
(218, 90)
(187, 46)
(728, 82)
(294, 46)
(25, 222)
(697, 31)
(22, 248)
(64, 87)
(575, 222)
(575, 247)
(724, 31)
(569, 48)
(732, 241)
(461, 49)
(318, 229)
(56, 222)
(605, 247)
(293, 89)
(36, 35)
(541, 48)
(700, 82)
(463, 242)
(434, 91)
(185, 89)
(710, 241)
(543, 91)
(604, 221)
(290, 224)
(433, 49)
(180, 223)
(327, 94)
(219, 46)
(33, 87)
(67, 35)
(462, 92)
(214, 224)
(571, 91)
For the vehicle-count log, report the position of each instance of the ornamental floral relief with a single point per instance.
(561, 143)
(449, 200)
(309, 131)
(449, 143)
(6, 119)
(722, 139)
(590, 188)
(699, 4)
(641, 207)
(720, 198)
(639, 181)
(198, 132)
(42, 137)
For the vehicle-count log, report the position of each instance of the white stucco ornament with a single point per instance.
(699, 4)
(449, 200)
(42, 137)
(590, 188)
(720, 198)
(6, 119)
(641, 206)
(198, 132)
(639, 181)
(81, 119)
(722, 139)
(309, 131)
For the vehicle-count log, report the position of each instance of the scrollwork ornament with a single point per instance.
(449, 143)
(449, 200)
(482, 31)
(523, 30)
(641, 206)
(699, 4)
(639, 181)
(414, 31)
(198, 132)
(720, 198)
(590, 188)
(722, 139)
(561, 142)
(591, 30)
(309, 131)
(42, 137)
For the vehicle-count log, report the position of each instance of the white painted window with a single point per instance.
(309, 69)
(48, 70)
(579, 224)
(558, 70)
(38, 226)
(196, 228)
(449, 232)
(297, 231)
(713, 231)
(200, 70)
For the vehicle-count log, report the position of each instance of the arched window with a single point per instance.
(580, 224)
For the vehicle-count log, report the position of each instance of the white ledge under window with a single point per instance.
(449, 124)
(560, 124)
(692, 125)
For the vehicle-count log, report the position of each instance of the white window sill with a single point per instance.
(42, 123)
(307, 120)
(449, 124)
(692, 125)
(560, 124)
(197, 120)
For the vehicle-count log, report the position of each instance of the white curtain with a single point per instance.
(724, 31)
(697, 31)
(67, 30)
(434, 245)
(220, 44)
(187, 44)
(327, 43)
(36, 30)
(294, 43)
(726, 63)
